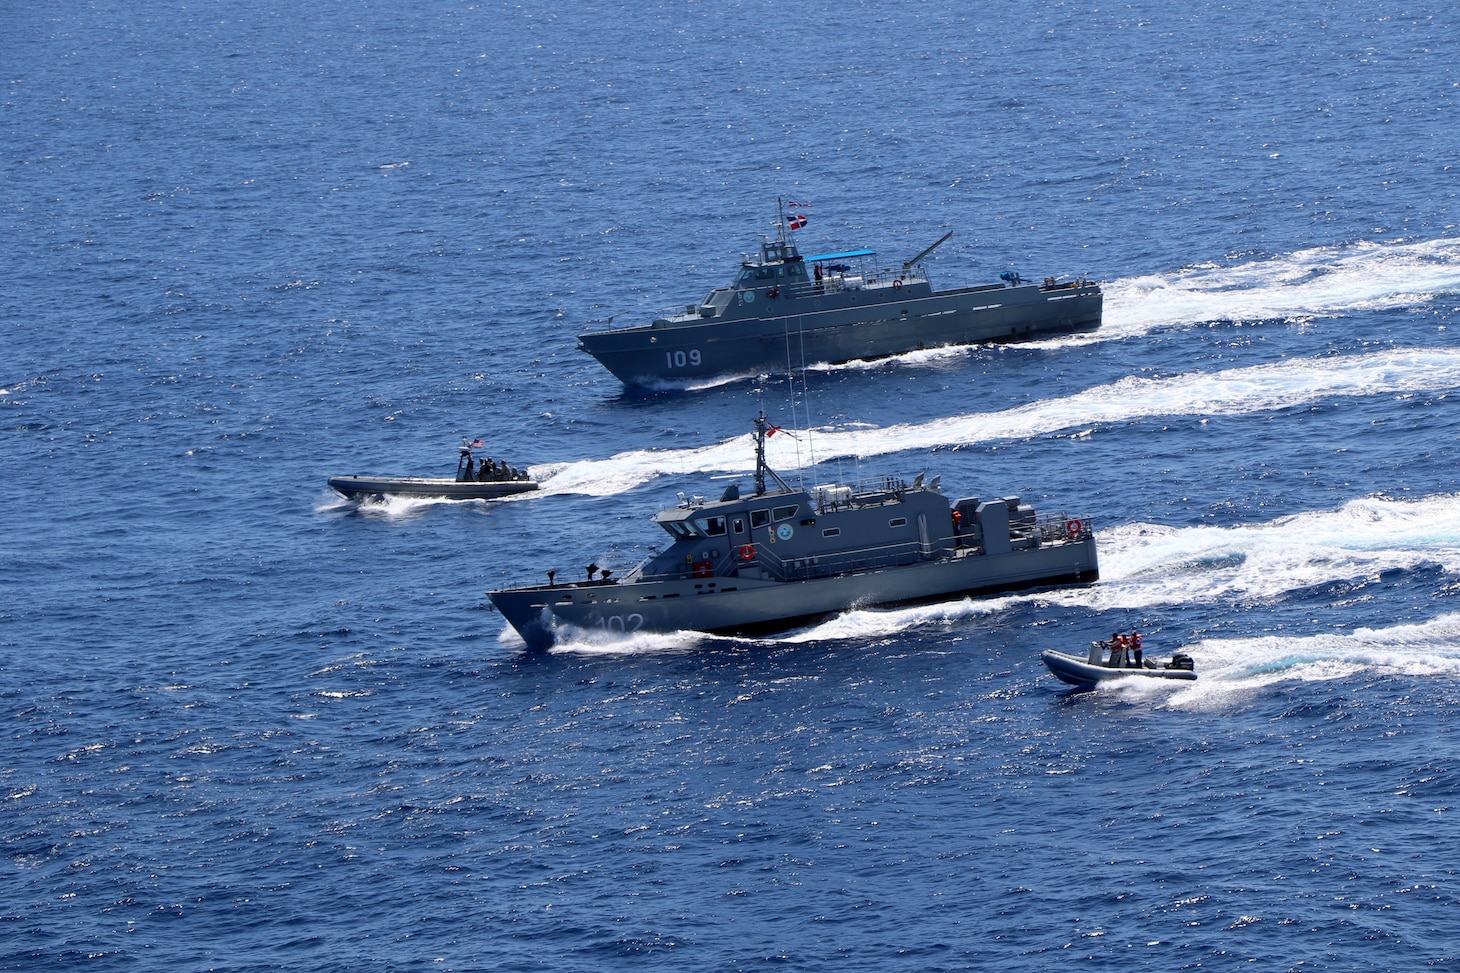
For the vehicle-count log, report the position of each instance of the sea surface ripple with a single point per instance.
(251, 726)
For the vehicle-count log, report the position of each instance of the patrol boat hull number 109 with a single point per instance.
(784, 311)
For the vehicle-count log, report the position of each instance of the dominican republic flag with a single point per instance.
(797, 221)
(478, 444)
(772, 431)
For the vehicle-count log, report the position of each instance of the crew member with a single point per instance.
(1117, 650)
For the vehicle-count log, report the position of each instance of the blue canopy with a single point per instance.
(841, 256)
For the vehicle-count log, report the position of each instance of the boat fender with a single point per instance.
(897, 285)
(747, 552)
(1074, 527)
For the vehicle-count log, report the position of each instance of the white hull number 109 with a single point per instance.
(680, 359)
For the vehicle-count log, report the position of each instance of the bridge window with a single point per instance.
(759, 518)
(713, 526)
(783, 513)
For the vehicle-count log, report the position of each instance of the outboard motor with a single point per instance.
(1181, 661)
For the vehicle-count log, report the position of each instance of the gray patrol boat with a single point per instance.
(489, 481)
(784, 311)
(782, 557)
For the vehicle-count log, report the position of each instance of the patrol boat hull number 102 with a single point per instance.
(784, 311)
(745, 565)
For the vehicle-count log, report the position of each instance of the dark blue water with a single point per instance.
(249, 726)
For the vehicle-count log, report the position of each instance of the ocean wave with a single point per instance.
(1237, 391)
(1231, 671)
(1314, 283)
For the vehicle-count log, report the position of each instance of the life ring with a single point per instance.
(1074, 527)
(747, 552)
(897, 285)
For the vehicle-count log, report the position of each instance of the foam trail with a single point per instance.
(1148, 569)
(1321, 282)
(1238, 391)
(1144, 565)
(577, 641)
(1231, 671)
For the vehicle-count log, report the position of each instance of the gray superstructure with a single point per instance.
(784, 311)
(783, 556)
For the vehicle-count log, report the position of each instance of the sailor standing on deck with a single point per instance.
(1119, 645)
(1135, 646)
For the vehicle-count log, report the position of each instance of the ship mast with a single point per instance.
(762, 430)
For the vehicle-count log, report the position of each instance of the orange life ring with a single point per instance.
(897, 285)
(747, 552)
(1074, 527)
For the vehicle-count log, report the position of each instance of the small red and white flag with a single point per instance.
(796, 221)
(478, 444)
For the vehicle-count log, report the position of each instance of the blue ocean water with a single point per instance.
(250, 726)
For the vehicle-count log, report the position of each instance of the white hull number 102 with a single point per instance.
(618, 623)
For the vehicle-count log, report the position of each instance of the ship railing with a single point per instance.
(1055, 284)
(1060, 528)
(716, 301)
(861, 493)
(843, 562)
(838, 283)
(1047, 530)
